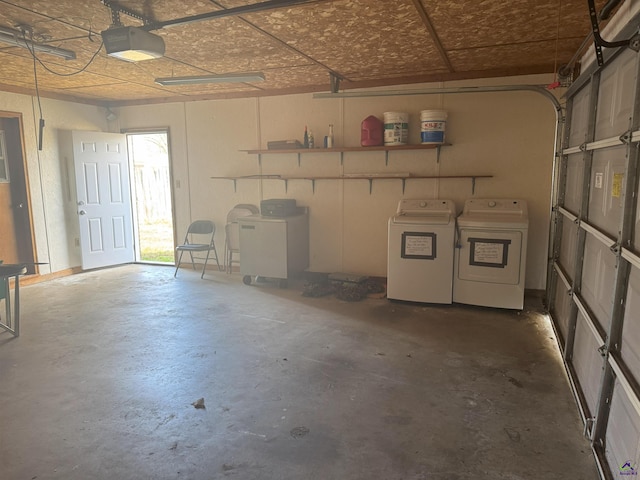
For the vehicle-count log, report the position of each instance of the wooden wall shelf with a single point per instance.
(370, 177)
(389, 148)
(360, 176)
(342, 150)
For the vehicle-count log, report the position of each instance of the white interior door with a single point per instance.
(104, 198)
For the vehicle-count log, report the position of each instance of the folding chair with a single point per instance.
(198, 232)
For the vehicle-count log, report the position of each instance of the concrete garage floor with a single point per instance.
(101, 382)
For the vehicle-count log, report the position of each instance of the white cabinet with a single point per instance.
(273, 247)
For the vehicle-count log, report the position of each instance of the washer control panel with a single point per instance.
(495, 205)
(409, 206)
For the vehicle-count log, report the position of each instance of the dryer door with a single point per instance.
(490, 256)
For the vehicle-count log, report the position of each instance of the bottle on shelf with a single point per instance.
(306, 138)
(311, 142)
(330, 137)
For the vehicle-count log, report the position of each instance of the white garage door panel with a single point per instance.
(587, 362)
(606, 197)
(568, 247)
(630, 349)
(623, 435)
(603, 105)
(598, 280)
(615, 100)
(575, 172)
(580, 117)
(562, 307)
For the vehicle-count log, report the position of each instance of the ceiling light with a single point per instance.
(223, 78)
(16, 38)
(132, 44)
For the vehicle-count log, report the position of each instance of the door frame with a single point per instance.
(142, 131)
(25, 229)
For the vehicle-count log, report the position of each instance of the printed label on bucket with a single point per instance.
(433, 131)
(396, 133)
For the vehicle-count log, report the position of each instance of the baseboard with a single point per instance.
(33, 279)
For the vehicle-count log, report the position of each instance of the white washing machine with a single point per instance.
(420, 258)
(491, 253)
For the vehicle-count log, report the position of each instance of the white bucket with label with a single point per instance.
(433, 124)
(396, 128)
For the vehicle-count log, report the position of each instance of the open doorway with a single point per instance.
(152, 198)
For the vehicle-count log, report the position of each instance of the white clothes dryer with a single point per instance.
(420, 257)
(491, 253)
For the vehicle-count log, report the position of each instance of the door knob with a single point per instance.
(81, 202)
(82, 212)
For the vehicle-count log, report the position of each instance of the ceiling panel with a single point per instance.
(230, 45)
(510, 56)
(297, 47)
(355, 35)
(501, 23)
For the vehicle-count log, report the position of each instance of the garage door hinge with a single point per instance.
(603, 350)
(615, 248)
(626, 137)
(588, 424)
(583, 147)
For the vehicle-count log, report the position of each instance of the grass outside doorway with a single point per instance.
(155, 246)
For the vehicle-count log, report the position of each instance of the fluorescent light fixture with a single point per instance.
(132, 44)
(16, 38)
(222, 78)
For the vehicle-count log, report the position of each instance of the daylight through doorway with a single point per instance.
(149, 154)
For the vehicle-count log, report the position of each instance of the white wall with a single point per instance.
(509, 135)
(52, 203)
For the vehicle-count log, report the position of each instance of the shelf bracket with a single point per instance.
(370, 185)
(386, 158)
(404, 184)
(235, 185)
(286, 185)
(341, 158)
(313, 185)
(473, 185)
(438, 154)
(298, 158)
(260, 159)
